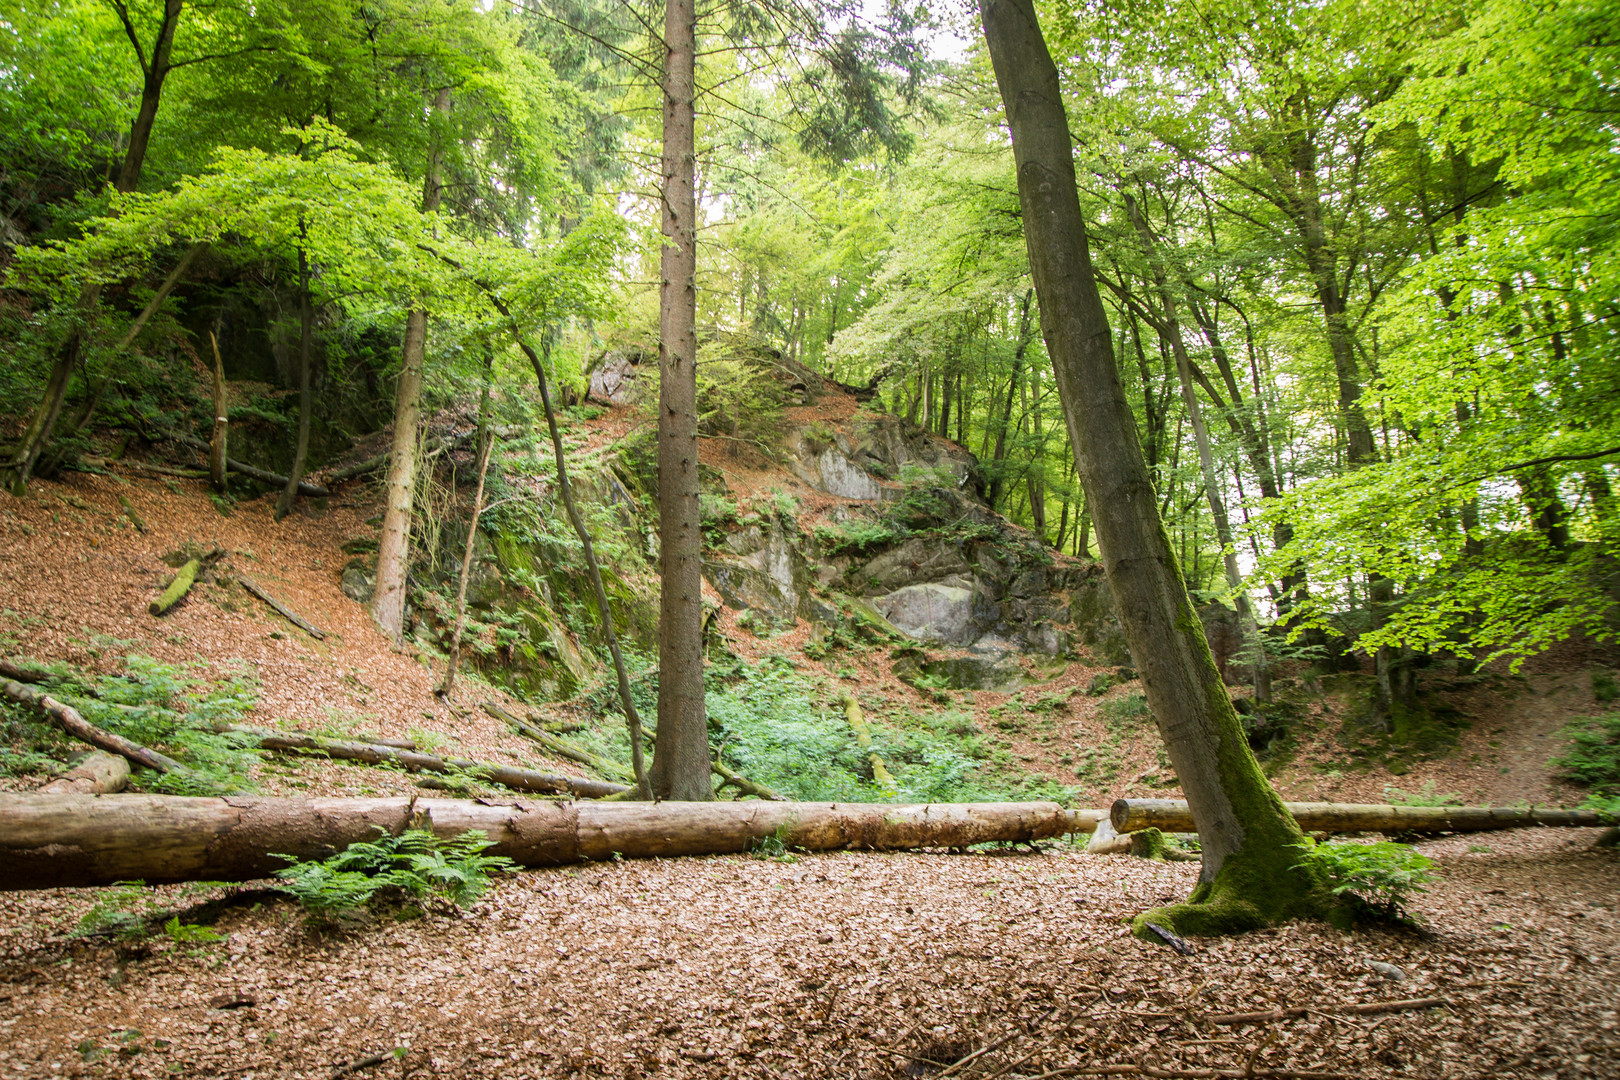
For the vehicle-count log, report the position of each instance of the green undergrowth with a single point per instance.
(784, 729)
(1377, 880)
(1593, 755)
(171, 708)
(928, 506)
(414, 867)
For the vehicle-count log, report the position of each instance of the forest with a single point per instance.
(464, 459)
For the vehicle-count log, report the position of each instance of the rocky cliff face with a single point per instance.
(874, 530)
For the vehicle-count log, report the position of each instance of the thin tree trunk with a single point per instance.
(394, 546)
(1246, 834)
(219, 440)
(680, 767)
(1206, 456)
(306, 334)
(485, 446)
(632, 715)
(1025, 336)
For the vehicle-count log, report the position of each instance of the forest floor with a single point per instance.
(837, 965)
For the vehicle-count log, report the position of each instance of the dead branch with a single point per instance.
(373, 753)
(1363, 1009)
(281, 609)
(70, 721)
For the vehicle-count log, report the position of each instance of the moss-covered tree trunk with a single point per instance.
(1248, 878)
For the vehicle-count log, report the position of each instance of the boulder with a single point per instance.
(933, 611)
(617, 378)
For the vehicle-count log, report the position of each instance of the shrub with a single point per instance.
(1593, 756)
(1382, 877)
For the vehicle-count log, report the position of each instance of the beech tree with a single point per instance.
(1249, 876)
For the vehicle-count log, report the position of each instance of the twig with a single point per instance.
(1174, 941)
(281, 609)
(998, 1044)
(1362, 1008)
(362, 1063)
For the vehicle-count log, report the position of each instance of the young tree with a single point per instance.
(1249, 877)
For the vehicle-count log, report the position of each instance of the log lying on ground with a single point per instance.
(561, 747)
(1172, 815)
(281, 609)
(262, 475)
(184, 578)
(71, 721)
(97, 773)
(380, 754)
(52, 841)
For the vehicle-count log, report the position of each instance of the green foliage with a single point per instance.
(123, 911)
(1593, 756)
(1426, 796)
(1382, 876)
(190, 933)
(786, 731)
(415, 864)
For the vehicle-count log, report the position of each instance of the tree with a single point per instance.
(1249, 876)
(680, 768)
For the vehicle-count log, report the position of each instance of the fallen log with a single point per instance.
(729, 777)
(281, 609)
(98, 773)
(262, 475)
(1172, 815)
(382, 754)
(863, 738)
(56, 841)
(73, 723)
(562, 747)
(184, 578)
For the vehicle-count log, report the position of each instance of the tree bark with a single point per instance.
(680, 766)
(55, 841)
(306, 333)
(1172, 815)
(1246, 879)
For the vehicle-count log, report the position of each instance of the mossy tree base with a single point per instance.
(1248, 894)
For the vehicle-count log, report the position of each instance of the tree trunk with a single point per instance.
(394, 546)
(284, 504)
(486, 446)
(1246, 833)
(306, 333)
(1172, 815)
(1206, 456)
(56, 841)
(219, 440)
(1025, 336)
(680, 766)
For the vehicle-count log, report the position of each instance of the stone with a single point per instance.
(359, 581)
(617, 380)
(932, 611)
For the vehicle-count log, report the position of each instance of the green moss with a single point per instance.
(1261, 883)
(1148, 844)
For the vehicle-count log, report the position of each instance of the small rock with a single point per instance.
(1388, 971)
